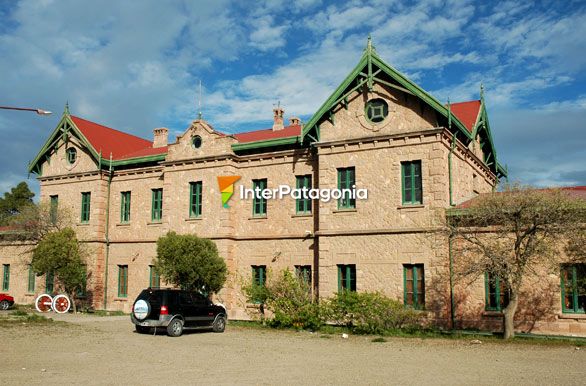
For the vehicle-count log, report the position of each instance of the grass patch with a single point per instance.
(106, 313)
(325, 337)
(380, 339)
(20, 317)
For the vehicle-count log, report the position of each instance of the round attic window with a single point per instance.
(377, 110)
(196, 142)
(71, 155)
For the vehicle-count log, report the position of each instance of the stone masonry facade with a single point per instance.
(380, 237)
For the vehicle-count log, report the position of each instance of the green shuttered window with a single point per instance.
(346, 277)
(573, 283)
(31, 279)
(125, 207)
(6, 277)
(122, 281)
(496, 293)
(154, 277)
(303, 205)
(86, 198)
(259, 204)
(157, 205)
(411, 182)
(346, 180)
(195, 197)
(414, 286)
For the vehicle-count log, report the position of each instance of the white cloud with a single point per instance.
(267, 36)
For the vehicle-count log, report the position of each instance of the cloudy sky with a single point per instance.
(136, 65)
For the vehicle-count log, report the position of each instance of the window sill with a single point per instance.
(302, 215)
(572, 316)
(351, 210)
(409, 206)
(29, 294)
(155, 223)
(258, 218)
(83, 224)
(121, 299)
(193, 219)
(123, 224)
(493, 314)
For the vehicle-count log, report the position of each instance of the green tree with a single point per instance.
(14, 202)
(190, 262)
(512, 235)
(61, 253)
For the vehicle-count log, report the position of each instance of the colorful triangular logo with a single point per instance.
(226, 184)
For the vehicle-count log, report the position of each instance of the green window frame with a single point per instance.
(125, 207)
(31, 279)
(414, 286)
(82, 292)
(496, 294)
(573, 286)
(71, 155)
(346, 180)
(195, 199)
(411, 184)
(346, 277)
(49, 282)
(259, 278)
(157, 205)
(122, 281)
(6, 277)
(259, 203)
(303, 205)
(303, 272)
(54, 205)
(154, 277)
(86, 198)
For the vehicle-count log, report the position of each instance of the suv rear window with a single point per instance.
(152, 296)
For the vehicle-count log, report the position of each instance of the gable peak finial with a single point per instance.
(66, 110)
(369, 46)
(481, 91)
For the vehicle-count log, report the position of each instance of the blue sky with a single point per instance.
(136, 65)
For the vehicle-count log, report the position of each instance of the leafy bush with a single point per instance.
(370, 313)
(190, 262)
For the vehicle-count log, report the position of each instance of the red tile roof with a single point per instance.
(109, 141)
(263, 135)
(572, 191)
(466, 112)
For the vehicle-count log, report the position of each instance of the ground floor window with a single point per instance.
(81, 291)
(414, 285)
(346, 277)
(259, 278)
(122, 281)
(6, 277)
(573, 282)
(154, 277)
(49, 282)
(31, 279)
(496, 293)
(304, 273)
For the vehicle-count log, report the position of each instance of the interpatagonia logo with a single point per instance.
(226, 184)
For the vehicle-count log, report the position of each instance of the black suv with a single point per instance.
(175, 310)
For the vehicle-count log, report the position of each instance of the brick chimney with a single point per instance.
(278, 118)
(294, 121)
(161, 137)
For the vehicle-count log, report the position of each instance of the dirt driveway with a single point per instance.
(106, 350)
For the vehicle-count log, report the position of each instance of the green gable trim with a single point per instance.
(368, 60)
(266, 143)
(67, 127)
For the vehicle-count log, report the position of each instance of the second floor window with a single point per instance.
(157, 205)
(346, 180)
(86, 198)
(411, 182)
(195, 196)
(259, 204)
(125, 207)
(303, 205)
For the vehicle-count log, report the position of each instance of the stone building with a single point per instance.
(377, 131)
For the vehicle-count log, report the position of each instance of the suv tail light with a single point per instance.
(164, 310)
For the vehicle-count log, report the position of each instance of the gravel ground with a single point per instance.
(106, 350)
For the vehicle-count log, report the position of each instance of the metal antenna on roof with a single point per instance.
(449, 114)
(199, 115)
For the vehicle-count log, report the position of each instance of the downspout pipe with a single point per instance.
(450, 183)
(452, 302)
(106, 268)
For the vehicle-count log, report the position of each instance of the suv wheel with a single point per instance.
(219, 324)
(142, 329)
(175, 328)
